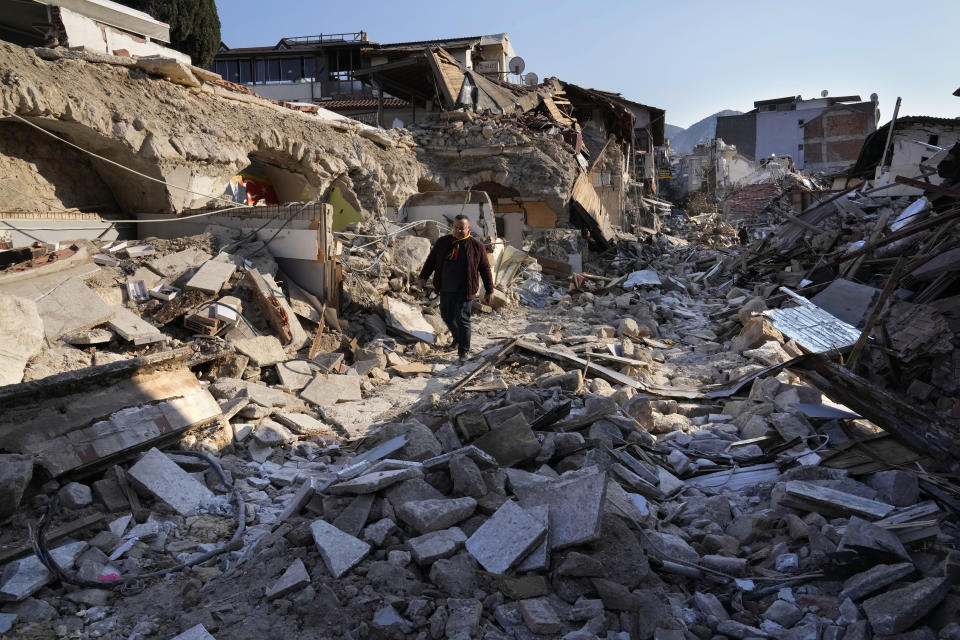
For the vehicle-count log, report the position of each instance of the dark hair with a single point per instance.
(462, 217)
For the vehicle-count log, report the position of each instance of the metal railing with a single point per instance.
(356, 36)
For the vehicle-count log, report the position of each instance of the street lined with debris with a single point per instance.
(735, 418)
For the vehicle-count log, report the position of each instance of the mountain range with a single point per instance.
(682, 141)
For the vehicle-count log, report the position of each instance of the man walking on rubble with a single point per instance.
(456, 261)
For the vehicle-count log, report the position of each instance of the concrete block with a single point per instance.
(897, 487)
(74, 495)
(539, 558)
(353, 518)
(162, 478)
(378, 531)
(211, 276)
(510, 443)
(431, 515)
(464, 618)
(263, 351)
(340, 551)
(295, 374)
(328, 389)
(293, 579)
(6, 622)
(16, 472)
(505, 538)
(174, 265)
(481, 458)
(897, 610)
(302, 423)
(72, 306)
(373, 482)
(197, 632)
(575, 504)
(21, 336)
(23, 578)
(874, 579)
(433, 546)
(271, 433)
(539, 616)
(133, 328)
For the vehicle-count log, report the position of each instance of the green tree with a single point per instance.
(194, 25)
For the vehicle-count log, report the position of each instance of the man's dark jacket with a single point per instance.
(477, 263)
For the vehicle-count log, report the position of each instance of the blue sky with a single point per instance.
(690, 57)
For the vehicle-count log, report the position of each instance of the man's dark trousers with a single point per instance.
(455, 309)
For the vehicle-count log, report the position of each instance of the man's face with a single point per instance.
(461, 229)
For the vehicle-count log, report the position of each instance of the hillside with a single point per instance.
(683, 141)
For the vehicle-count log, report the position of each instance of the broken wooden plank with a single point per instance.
(269, 305)
(603, 372)
(64, 530)
(315, 345)
(813, 497)
(920, 430)
(492, 361)
(737, 478)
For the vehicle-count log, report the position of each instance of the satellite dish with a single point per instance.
(531, 79)
(824, 93)
(517, 65)
(874, 98)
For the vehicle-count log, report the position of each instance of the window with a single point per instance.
(233, 71)
(273, 71)
(308, 69)
(246, 71)
(799, 147)
(260, 71)
(800, 122)
(290, 70)
(934, 139)
(220, 66)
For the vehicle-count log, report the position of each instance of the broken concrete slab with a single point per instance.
(897, 610)
(174, 265)
(25, 577)
(133, 328)
(874, 579)
(211, 276)
(340, 551)
(539, 616)
(72, 306)
(373, 482)
(302, 423)
(196, 632)
(295, 374)
(16, 471)
(329, 389)
(539, 557)
(271, 433)
(293, 579)
(88, 337)
(510, 443)
(21, 336)
(431, 515)
(575, 503)
(162, 478)
(263, 351)
(849, 301)
(408, 320)
(481, 458)
(506, 537)
(433, 546)
(353, 518)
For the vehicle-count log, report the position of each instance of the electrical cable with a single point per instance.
(40, 548)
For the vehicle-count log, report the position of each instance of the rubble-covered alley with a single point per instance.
(229, 412)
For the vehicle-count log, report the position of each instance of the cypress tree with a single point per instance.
(194, 25)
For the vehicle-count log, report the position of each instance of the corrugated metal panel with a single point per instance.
(813, 328)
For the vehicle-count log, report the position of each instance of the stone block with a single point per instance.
(197, 632)
(74, 495)
(874, 579)
(575, 505)
(505, 538)
(328, 389)
(433, 546)
(263, 351)
(353, 518)
(293, 579)
(340, 551)
(897, 610)
(22, 578)
(755, 333)
(211, 276)
(373, 482)
(464, 618)
(163, 479)
(898, 487)
(431, 515)
(511, 443)
(467, 477)
(539, 616)
(295, 374)
(539, 558)
(271, 433)
(16, 471)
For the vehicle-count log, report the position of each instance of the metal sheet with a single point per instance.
(813, 328)
(824, 411)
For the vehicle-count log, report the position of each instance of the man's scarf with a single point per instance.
(456, 246)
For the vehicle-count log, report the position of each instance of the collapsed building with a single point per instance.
(230, 420)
